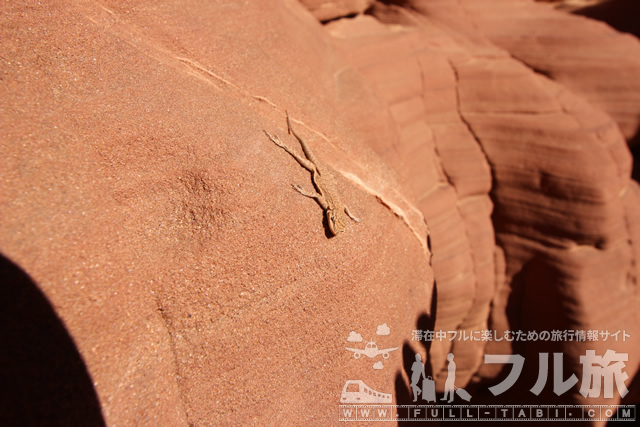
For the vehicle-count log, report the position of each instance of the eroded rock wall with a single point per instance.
(142, 198)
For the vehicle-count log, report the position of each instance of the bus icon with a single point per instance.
(356, 391)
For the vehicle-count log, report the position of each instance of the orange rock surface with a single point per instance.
(149, 225)
(576, 52)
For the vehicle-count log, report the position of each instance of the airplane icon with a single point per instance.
(371, 351)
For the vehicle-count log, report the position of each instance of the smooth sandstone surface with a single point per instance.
(505, 138)
(579, 53)
(142, 202)
(325, 10)
(142, 197)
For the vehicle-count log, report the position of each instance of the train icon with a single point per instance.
(356, 391)
(371, 351)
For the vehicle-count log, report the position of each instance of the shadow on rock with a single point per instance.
(43, 379)
(620, 14)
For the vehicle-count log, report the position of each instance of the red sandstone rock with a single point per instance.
(571, 5)
(325, 10)
(141, 196)
(558, 228)
(439, 158)
(574, 51)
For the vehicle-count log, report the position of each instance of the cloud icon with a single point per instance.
(354, 337)
(378, 365)
(383, 330)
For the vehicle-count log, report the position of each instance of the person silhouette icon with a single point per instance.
(417, 372)
(449, 385)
